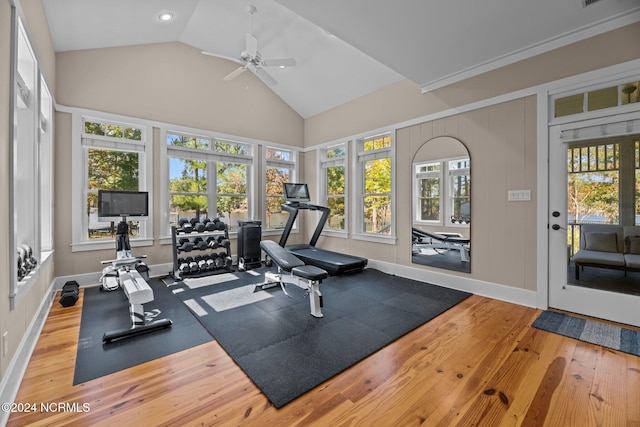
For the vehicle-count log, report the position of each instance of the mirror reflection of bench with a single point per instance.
(608, 246)
(443, 241)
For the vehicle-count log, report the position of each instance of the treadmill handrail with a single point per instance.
(293, 209)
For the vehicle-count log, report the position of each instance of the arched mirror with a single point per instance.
(441, 208)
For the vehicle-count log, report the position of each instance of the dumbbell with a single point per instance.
(210, 263)
(221, 225)
(184, 268)
(21, 268)
(29, 261)
(227, 261)
(212, 242)
(200, 244)
(202, 264)
(199, 227)
(186, 246)
(211, 226)
(193, 267)
(69, 294)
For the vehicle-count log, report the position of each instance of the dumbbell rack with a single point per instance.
(177, 233)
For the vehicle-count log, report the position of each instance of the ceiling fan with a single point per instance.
(250, 58)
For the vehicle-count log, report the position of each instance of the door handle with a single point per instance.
(557, 227)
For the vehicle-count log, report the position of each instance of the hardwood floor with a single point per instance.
(478, 364)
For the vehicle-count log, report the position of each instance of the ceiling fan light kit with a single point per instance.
(251, 59)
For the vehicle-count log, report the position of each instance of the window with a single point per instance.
(429, 177)
(46, 167)
(279, 168)
(460, 191)
(333, 170)
(441, 201)
(597, 99)
(31, 171)
(115, 154)
(208, 178)
(594, 177)
(375, 182)
(114, 159)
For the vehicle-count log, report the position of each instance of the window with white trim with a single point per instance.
(114, 159)
(440, 201)
(208, 178)
(46, 167)
(428, 183)
(31, 109)
(375, 171)
(279, 168)
(333, 179)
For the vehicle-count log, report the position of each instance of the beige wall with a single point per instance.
(175, 83)
(17, 321)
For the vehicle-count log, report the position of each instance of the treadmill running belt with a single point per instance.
(332, 262)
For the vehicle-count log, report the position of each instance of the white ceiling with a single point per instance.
(346, 48)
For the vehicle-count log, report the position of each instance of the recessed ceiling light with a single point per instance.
(165, 16)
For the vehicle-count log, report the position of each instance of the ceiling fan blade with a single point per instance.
(251, 45)
(235, 73)
(228, 58)
(265, 77)
(279, 62)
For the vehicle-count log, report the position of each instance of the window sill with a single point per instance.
(107, 244)
(338, 234)
(25, 285)
(388, 240)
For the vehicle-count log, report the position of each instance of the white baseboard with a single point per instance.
(478, 287)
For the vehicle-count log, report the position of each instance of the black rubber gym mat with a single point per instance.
(286, 351)
(106, 311)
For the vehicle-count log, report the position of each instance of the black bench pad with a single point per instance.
(280, 255)
(310, 272)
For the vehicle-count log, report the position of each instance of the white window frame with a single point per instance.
(46, 168)
(30, 160)
(293, 177)
(81, 142)
(359, 232)
(418, 176)
(212, 157)
(451, 174)
(324, 163)
(445, 175)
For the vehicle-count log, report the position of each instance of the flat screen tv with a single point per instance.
(115, 204)
(296, 193)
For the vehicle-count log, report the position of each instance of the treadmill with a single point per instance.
(334, 263)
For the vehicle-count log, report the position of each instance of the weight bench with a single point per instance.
(442, 241)
(304, 276)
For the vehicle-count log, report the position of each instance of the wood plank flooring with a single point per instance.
(478, 364)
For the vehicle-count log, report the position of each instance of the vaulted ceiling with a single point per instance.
(344, 49)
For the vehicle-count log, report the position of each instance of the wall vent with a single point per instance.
(586, 3)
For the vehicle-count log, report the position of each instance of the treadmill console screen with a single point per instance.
(296, 193)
